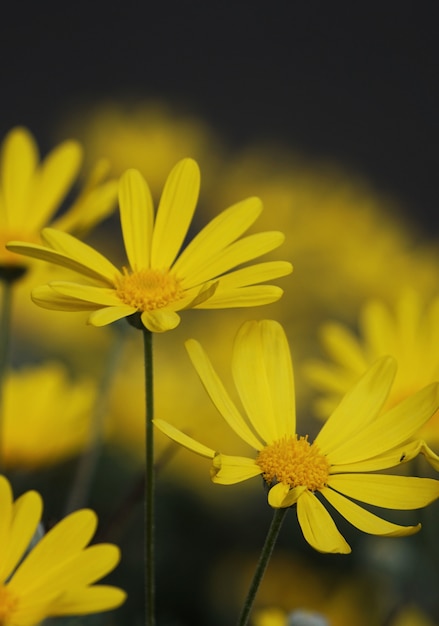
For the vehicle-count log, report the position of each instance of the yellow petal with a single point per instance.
(184, 440)
(89, 600)
(391, 429)
(358, 408)
(263, 374)
(87, 293)
(218, 234)
(254, 274)
(174, 215)
(391, 492)
(281, 495)
(27, 513)
(110, 314)
(229, 470)
(241, 251)
(137, 217)
(389, 458)
(60, 544)
(52, 182)
(19, 160)
(219, 395)
(6, 500)
(160, 320)
(47, 298)
(256, 295)
(344, 347)
(318, 527)
(364, 520)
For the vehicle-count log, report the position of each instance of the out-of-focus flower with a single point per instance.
(409, 333)
(412, 616)
(161, 280)
(31, 192)
(45, 416)
(56, 576)
(149, 136)
(340, 465)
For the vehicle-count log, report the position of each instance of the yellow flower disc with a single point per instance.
(295, 462)
(148, 289)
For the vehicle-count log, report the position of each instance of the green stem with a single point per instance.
(89, 459)
(267, 550)
(149, 483)
(5, 336)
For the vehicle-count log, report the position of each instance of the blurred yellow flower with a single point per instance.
(409, 332)
(31, 192)
(45, 416)
(160, 280)
(339, 466)
(55, 577)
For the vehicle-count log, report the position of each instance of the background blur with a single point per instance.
(328, 111)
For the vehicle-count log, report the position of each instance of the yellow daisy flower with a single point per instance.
(337, 467)
(409, 332)
(161, 279)
(54, 577)
(31, 192)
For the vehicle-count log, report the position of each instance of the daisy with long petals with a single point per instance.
(340, 467)
(163, 276)
(33, 190)
(56, 576)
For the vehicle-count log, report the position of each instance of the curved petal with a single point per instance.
(255, 295)
(282, 496)
(364, 520)
(229, 470)
(137, 218)
(389, 458)
(217, 235)
(318, 527)
(387, 491)
(263, 374)
(110, 314)
(175, 212)
(254, 274)
(160, 320)
(358, 408)
(219, 395)
(235, 254)
(391, 429)
(19, 161)
(184, 440)
(52, 182)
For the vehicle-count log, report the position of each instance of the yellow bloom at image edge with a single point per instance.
(340, 467)
(56, 576)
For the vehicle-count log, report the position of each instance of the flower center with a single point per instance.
(8, 604)
(295, 462)
(148, 289)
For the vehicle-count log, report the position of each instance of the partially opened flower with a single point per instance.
(340, 467)
(56, 576)
(31, 192)
(162, 278)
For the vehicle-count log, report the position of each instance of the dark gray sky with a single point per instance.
(354, 81)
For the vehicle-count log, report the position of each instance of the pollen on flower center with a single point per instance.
(295, 462)
(8, 604)
(148, 289)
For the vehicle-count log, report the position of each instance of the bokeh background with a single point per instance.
(328, 112)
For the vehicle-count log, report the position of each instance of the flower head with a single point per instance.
(337, 466)
(31, 192)
(409, 332)
(55, 577)
(160, 279)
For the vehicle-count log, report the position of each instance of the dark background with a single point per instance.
(352, 81)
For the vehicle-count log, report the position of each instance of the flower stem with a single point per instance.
(267, 550)
(149, 483)
(5, 334)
